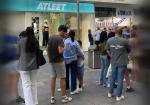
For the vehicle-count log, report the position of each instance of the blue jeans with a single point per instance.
(104, 68)
(71, 69)
(118, 73)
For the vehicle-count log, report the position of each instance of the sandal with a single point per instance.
(66, 99)
(53, 100)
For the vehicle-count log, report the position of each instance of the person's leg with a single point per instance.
(127, 78)
(67, 77)
(80, 74)
(102, 70)
(73, 67)
(33, 75)
(120, 78)
(53, 85)
(63, 86)
(27, 87)
(106, 65)
(113, 79)
(47, 38)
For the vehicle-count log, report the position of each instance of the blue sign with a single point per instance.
(48, 6)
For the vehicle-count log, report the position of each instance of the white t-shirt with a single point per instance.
(97, 36)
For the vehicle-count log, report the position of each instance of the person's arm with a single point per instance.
(60, 49)
(61, 46)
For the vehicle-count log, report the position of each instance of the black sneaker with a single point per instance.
(20, 100)
(129, 90)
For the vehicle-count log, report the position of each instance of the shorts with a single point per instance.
(58, 70)
(80, 71)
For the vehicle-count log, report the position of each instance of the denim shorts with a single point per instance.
(80, 71)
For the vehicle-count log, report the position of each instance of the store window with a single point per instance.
(105, 12)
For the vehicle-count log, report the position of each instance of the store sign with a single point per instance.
(50, 6)
(124, 12)
(47, 6)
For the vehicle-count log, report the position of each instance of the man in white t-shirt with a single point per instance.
(97, 36)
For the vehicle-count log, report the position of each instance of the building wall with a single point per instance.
(12, 24)
(116, 1)
(88, 22)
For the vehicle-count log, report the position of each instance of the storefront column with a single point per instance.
(88, 22)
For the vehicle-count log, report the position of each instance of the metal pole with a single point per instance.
(78, 19)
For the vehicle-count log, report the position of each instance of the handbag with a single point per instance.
(40, 58)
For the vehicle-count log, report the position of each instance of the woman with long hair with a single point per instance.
(71, 52)
(28, 46)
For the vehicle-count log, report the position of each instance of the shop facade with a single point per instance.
(110, 15)
(56, 13)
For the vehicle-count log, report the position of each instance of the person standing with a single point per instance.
(91, 40)
(105, 62)
(45, 31)
(80, 70)
(118, 49)
(97, 36)
(28, 67)
(103, 36)
(71, 52)
(55, 51)
(111, 33)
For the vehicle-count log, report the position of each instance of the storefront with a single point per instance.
(107, 15)
(56, 13)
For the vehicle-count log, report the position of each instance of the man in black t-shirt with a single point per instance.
(55, 53)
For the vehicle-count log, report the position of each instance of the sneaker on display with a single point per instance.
(120, 98)
(75, 92)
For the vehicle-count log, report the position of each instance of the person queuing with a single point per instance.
(55, 51)
(118, 49)
(91, 40)
(71, 53)
(97, 36)
(28, 67)
(103, 36)
(111, 33)
(104, 59)
(80, 70)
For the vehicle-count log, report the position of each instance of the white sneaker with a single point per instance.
(59, 90)
(74, 92)
(44, 52)
(80, 89)
(66, 99)
(109, 95)
(120, 98)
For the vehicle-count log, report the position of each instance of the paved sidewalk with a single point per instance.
(93, 94)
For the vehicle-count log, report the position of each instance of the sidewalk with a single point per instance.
(93, 94)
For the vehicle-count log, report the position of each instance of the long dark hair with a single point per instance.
(72, 35)
(31, 44)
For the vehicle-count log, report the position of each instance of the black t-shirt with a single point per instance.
(54, 42)
(103, 36)
(111, 34)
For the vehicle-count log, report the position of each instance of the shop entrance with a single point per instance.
(37, 20)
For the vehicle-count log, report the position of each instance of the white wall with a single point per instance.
(88, 22)
(12, 23)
